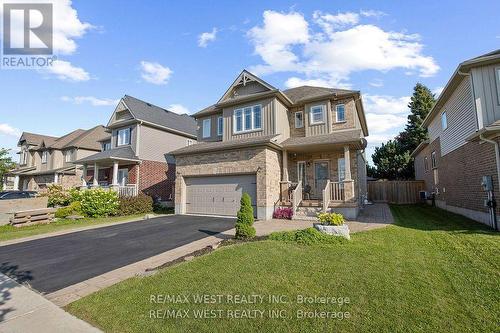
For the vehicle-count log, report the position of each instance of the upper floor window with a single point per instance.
(299, 119)
(220, 123)
(45, 155)
(317, 114)
(444, 121)
(68, 156)
(433, 160)
(23, 157)
(206, 128)
(426, 164)
(248, 119)
(340, 112)
(106, 146)
(123, 137)
(190, 142)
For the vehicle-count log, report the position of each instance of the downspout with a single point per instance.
(497, 158)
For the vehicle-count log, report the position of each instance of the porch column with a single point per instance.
(84, 176)
(96, 175)
(56, 178)
(347, 159)
(16, 182)
(115, 173)
(4, 186)
(285, 165)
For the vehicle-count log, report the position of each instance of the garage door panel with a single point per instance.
(218, 195)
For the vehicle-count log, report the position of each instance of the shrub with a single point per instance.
(98, 202)
(283, 213)
(75, 194)
(309, 236)
(244, 220)
(57, 197)
(159, 208)
(331, 218)
(140, 204)
(75, 208)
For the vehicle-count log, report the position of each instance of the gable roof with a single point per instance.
(89, 139)
(305, 93)
(155, 115)
(86, 139)
(120, 153)
(460, 72)
(34, 139)
(62, 141)
(244, 77)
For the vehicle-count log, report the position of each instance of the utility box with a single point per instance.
(487, 183)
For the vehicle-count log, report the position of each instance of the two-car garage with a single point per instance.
(219, 195)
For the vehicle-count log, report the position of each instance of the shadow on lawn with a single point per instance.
(425, 217)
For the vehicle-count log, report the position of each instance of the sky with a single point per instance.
(183, 55)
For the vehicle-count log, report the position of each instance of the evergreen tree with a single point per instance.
(6, 162)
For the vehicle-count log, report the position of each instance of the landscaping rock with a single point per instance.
(188, 258)
(340, 230)
(75, 217)
(149, 216)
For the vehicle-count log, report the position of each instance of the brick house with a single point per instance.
(45, 160)
(464, 134)
(302, 147)
(132, 158)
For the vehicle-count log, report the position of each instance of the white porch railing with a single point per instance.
(337, 192)
(327, 192)
(129, 190)
(297, 196)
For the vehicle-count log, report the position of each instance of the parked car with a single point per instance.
(5, 195)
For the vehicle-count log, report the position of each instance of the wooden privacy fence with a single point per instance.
(395, 192)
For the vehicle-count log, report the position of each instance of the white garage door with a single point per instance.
(219, 195)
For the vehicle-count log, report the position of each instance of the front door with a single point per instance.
(321, 176)
(122, 177)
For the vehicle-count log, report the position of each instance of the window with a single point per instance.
(426, 164)
(190, 142)
(299, 119)
(220, 123)
(23, 157)
(248, 119)
(340, 113)
(497, 70)
(444, 121)
(317, 114)
(206, 128)
(123, 137)
(433, 160)
(341, 168)
(301, 172)
(106, 146)
(68, 155)
(122, 177)
(45, 154)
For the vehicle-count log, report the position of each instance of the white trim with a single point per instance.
(209, 122)
(302, 119)
(311, 117)
(220, 125)
(497, 82)
(337, 113)
(45, 156)
(243, 119)
(304, 181)
(445, 125)
(127, 143)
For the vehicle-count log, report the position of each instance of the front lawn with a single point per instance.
(431, 272)
(8, 232)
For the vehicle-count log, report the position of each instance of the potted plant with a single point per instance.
(332, 224)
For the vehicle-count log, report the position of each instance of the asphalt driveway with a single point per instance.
(53, 263)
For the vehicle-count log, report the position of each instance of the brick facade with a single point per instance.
(156, 179)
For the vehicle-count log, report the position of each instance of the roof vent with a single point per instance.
(148, 104)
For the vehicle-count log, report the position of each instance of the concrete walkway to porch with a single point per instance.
(371, 217)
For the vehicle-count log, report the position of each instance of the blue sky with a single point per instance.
(183, 55)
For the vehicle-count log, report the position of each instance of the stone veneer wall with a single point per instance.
(262, 161)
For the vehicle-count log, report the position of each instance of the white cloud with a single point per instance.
(372, 13)
(377, 83)
(94, 101)
(437, 91)
(178, 108)
(381, 104)
(334, 46)
(6, 129)
(206, 37)
(65, 71)
(155, 73)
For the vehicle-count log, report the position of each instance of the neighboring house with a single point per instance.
(464, 134)
(266, 142)
(45, 160)
(132, 158)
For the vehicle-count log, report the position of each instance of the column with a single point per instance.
(56, 178)
(4, 187)
(84, 176)
(96, 175)
(16, 183)
(347, 159)
(285, 165)
(115, 173)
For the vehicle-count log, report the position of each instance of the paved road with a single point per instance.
(53, 263)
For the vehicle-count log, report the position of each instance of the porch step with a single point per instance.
(306, 213)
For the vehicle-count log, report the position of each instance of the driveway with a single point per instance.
(53, 263)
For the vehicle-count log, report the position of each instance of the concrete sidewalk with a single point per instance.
(23, 310)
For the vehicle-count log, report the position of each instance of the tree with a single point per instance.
(6, 162)
(244, 218)
(392, 160)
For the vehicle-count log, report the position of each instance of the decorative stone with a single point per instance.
(149, 216)
(188, 258)
(335, 230)
(75, 217)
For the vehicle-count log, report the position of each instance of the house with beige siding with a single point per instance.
(302, 148)
(45, 160)
(132, 157)
(464, 136)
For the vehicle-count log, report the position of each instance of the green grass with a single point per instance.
(431, 272)
(8, 232)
